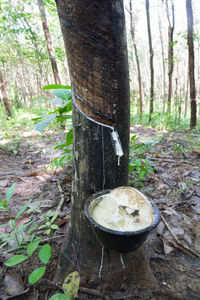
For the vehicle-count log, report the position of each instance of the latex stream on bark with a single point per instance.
(114, 134)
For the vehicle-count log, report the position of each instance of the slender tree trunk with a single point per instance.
(193, 118)
(151, 61)
(170, 50)
(33, 39)
(132, 26)
(176, 99)
(5, 98)
(186, 95)
(95, 41)
(163, 60)
(49, 42)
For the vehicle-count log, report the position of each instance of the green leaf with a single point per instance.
(71, 285)
(44, 123)
(45, 253)
(36, 275)
(56, 86)
(59, 296)
(32, 246)
(63, 94)
(69, 138)
(48, 231)
(15, 260)
(53, 218)
(32, 228)
(57, 101)
(23, 209)
(10, 192)
(2, 245)
(54, 226)
(141, 175)
(11, 223)
(62, 118)
(42, 226)
(3, 205)
(66, 108)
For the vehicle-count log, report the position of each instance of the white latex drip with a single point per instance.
(121, 258)
(101, 264)
(123, 265)
(117, 145)
(118, 161)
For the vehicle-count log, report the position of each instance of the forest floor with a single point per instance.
(173, 248)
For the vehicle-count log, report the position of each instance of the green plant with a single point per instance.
(62, 100)
(25, 249)
(178, 148)
(139, 165)
(16, 234)
(48, 222)
(62, 113)
(11, 147)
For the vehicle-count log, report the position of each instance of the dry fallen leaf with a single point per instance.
(196, 151)
(33, 174)
(167, 248)
(13, 283)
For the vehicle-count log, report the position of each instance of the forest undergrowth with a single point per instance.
(164, 165)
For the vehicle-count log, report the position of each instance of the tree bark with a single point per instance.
(151, 53)
(193, 117)
(132, 26)
(170, 51)
(95, 41)
(5, 99)
(49, 42)
(163, 60)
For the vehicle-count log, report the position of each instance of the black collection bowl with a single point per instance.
(120, 241)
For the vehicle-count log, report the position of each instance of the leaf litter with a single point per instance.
(173, 248)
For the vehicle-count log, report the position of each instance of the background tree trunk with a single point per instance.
(163, 59)
(49, 42)
(5, 99)
(95, 41)
(193, 118)
(151, 53)
(170, 50)
(132, 26)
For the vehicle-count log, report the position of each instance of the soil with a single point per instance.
(173, 248)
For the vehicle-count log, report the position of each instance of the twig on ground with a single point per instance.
(180, 246)
(171, 160)
(60, 205)
(46, 296)
(90, 291)
(52, 238)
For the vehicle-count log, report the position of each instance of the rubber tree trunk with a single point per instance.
(132, 26)
(170, 51)
(49, 42)
(95, 41)
(163, 57)
(5, 99)
(151, 53)
(186, 95)
(193, 117)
